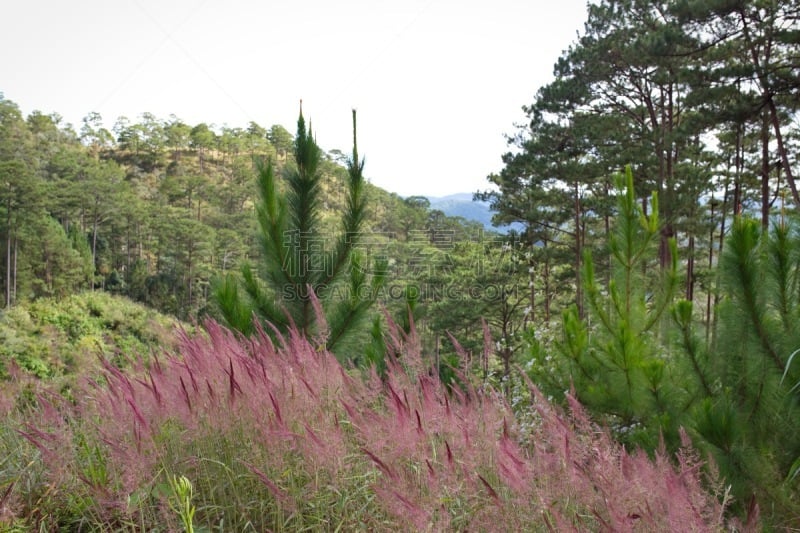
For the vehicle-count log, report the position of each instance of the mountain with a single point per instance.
(462, 205)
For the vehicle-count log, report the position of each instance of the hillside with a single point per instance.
(155, 211)
(57, 338)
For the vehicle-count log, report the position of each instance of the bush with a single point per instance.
(65, 337)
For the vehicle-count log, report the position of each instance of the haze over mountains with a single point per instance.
(462, 205)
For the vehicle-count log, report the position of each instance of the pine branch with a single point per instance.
(353, 218)
(741, 264)
(263, 303)
(350, 311)
(235, 310)
(271, 216)
(289, 238)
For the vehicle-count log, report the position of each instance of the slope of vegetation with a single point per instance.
(53, 338)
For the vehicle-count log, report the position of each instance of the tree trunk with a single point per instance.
(765, 172)
(709, 292)
(190, 274)
(139, 243)
(546, 275)
(607, 236)
(532, 290)
(94, 248)
(690, 270)
(8, 255)
(669, 153)
(767, 94)
(14, 292)
(578, 253)
(724, 214)
(787, 167)
(128, 265)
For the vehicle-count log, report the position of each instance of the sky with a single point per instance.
(438, 84)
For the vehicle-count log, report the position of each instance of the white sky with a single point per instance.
(437, 83)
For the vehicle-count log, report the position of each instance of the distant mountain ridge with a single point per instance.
(462, 205)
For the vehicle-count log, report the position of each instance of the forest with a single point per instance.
(230, 328)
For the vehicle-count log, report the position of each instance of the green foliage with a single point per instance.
(301, 262)
(749, 419)
(614, 359)
(182, 494)
(651, 82)
(144, 221)
(738, 397)
(54, 338)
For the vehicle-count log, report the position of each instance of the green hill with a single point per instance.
(155, 211)
(51, 338)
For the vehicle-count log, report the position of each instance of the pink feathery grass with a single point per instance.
(293, 428)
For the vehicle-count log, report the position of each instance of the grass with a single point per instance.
(286, 439)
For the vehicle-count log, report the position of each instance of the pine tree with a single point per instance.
(747, 383)
(319, 284)
(738, 397)
(614, 357)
